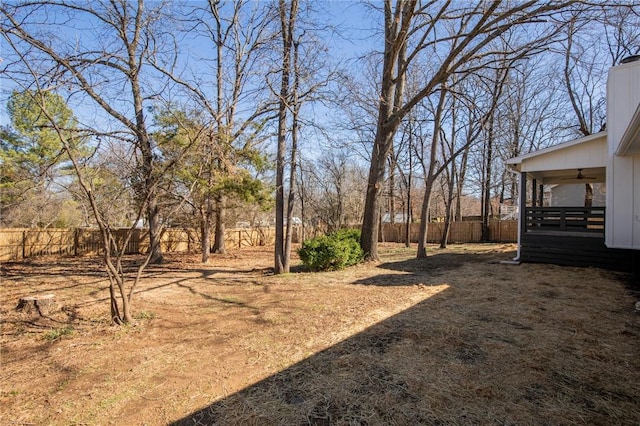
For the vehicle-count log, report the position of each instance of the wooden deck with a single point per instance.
(572, 236)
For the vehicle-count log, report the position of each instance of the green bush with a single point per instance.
(331, 252)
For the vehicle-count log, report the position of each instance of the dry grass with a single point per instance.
(455, 339)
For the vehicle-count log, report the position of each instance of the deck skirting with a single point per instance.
(573, 250)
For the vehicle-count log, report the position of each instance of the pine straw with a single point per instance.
(457, 338)
(528, 344)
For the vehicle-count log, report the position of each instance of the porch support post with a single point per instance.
(534, 196)
(635, 269)
(523, 207)
(541, 195)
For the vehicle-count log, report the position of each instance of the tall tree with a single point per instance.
(288, 12)
(110, 68)
(228, 89)
(608, 32)
(33, 161)
(304, 72)
(413, 30)
(594, 42)
(109, 71)
(448, 148)
(490, 134)
(209, 170)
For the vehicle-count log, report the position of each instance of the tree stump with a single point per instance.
(42, 304)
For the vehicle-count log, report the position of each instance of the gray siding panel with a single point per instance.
(574, 251)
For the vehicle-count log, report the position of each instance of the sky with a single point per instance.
(352, 38)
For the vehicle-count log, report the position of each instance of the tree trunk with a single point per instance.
(407, 242)
(205, 232)
(392, 187)
(431, 173)
(371, 219)
(486, 202)
(218, 243)
(113, 299)
(448, 206)
(126, 317)
(588, 195)
(303, 213)
(287, 22)
(155, 231)
(424, 219)
(391, 99)
(293, 159)
(409, 209)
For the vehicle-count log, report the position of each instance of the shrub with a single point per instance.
(334, 251)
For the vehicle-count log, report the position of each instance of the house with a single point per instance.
(397, 218)
(588, 233)
(575, 194)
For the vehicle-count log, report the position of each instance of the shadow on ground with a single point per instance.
(422, 271)
(358, 381)
(446, 360)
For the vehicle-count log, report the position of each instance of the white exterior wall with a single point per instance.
(592, 153)
(572, 195)
(623, 173)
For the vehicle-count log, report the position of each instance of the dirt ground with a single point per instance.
(458, 338)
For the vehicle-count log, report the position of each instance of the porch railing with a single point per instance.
(565, 219)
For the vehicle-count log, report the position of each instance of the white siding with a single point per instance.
(590, 154)
(573, 195)
(623, 173)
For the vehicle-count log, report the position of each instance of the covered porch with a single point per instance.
(556, 232)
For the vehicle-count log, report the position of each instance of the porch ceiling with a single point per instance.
(564, 176)
(560, 163)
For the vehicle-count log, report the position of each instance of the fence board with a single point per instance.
(19, 243)
(505, 231)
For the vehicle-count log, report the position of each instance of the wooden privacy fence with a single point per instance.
(21, 243)
(500, 231)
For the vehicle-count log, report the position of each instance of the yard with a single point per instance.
(457, 338)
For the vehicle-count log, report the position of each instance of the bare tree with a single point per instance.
(288, 15)
(121, 284)
(489, 147)
(438, 160)
(411, 31)
(448, 148)
(111, 71)
(529, 116)
(112, 58)
(305, 74)
(594, 42)
(330, 189)
(588, 106)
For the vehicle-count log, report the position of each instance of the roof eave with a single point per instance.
(630, 142)
(516, 161)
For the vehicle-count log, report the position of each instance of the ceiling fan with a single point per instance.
(580, 176)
